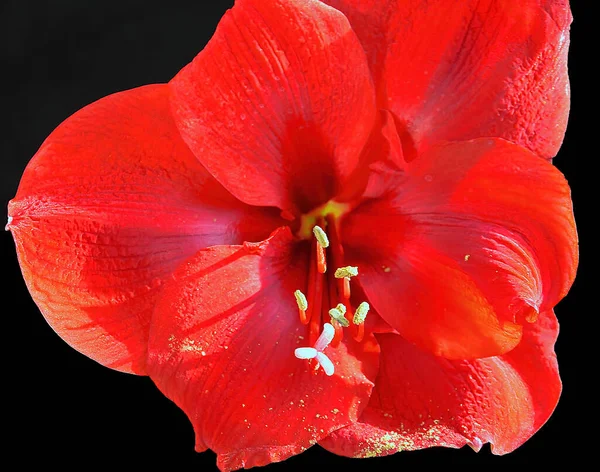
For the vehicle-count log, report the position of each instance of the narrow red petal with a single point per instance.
(423, 401)
(477, 238)
(222, 347)
(469, 69)
(279, 104)
(110, 205)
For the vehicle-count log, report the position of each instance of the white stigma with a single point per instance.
(316, 352)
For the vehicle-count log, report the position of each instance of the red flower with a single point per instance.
(192, 231)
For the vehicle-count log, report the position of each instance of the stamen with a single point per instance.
(338, 315)
(359, 320)
(361, 313)
(315, 295)
(337, 256)
(321, 259)
(348, 271)
(321, 236)
(302, 306)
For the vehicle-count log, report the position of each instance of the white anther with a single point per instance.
(321, 236)
(301, 300)
(306, 353)
(325, 338)
(348, 271)
(325, 363)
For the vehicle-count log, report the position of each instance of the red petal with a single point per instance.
(422, 401)
(110, 205)
(477, 238)
(469, 69)
(279, 104)
(222, 347)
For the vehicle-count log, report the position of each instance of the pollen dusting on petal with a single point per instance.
(361, 313)
(338, 316)
(301, 300)
(321, 236)
(348, 271)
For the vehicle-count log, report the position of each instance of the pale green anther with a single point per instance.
(361, 313)
(321, 236)
(301, 300)
(338, 316)
(348, 271)
(341, 307)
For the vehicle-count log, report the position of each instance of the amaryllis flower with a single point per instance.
(337, 225)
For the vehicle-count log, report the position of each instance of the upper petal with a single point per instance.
(476, 239)
(279, 104)
(421, 400)
(222, 347)
(469, 69)
(109, 206)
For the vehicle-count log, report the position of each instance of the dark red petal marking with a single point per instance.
(477, 235)
(222, 348)
(469, 69)
(261, 105)
(106, 210)
(421, 400)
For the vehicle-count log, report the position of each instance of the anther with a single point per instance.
(359, 320)
(321, 236)
(348, 271)
(302, 306)
(301, 300)
(361, 313)
(338, 314)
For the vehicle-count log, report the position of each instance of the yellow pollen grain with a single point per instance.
(301, 300)
(467, 256)
(338, 316)
(321, 236)
(361, 313)
(348, 271)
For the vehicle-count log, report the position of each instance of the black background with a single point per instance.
(61, 408)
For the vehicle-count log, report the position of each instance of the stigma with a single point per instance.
(316, 352)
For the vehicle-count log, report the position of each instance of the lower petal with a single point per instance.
(422, 401)
(222, 348)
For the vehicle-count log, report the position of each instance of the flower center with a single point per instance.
(327, 301)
